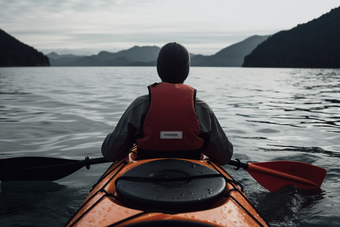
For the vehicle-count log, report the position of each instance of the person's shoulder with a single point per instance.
(199, 103)
(140, 104)
(141, 100)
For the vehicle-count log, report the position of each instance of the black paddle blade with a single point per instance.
(37, 168)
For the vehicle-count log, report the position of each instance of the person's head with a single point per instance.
(173, 63)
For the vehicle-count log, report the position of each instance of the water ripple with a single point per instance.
(268, 114)
(311, 150)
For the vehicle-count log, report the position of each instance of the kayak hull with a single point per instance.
(106, 206)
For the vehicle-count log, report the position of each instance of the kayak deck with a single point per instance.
(152, 193)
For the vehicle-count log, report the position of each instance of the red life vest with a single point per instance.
(171, 123)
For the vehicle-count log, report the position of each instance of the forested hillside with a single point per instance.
(15, 53)
(315, 44)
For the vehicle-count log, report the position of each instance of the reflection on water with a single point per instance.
(20, 202)
(268, 114)
(282, 207)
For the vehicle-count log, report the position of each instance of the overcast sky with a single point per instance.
(204, 27)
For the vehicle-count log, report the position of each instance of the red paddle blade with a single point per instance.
(275, 175)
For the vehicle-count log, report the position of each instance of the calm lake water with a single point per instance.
(268, 114)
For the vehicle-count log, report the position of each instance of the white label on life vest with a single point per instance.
(171, 135)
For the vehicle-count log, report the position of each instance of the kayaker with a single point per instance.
(170, 121)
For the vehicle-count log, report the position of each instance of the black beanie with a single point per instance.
(173, 63)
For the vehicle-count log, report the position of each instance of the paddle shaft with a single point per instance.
(238, 164)
(86, 162)
(271, 175)
(42, 168)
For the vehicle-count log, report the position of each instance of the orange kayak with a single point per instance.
(166, 192)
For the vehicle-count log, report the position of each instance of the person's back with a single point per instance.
(171, 127)
(170, 121)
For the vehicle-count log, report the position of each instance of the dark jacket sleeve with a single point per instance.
(216, 144)
(130, 126)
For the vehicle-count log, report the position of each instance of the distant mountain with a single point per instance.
(135, 56)
(147, 56)
(62, 60)
(231, 56)
(57, 56)
(315, 44)
(15, 53)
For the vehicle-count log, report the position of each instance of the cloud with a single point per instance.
(101, 24)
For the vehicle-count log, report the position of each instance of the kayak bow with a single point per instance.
(166, 192)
